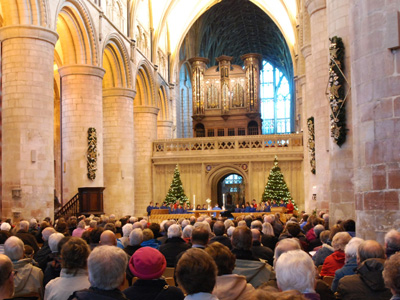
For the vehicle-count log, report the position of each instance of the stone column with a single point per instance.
(341, 171)
(82, 108)
(164, 129)
(145, 123)
(27, 121)
(118, 155)
(376, 116)
(317, 76)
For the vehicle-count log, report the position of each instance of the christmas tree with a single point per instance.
(276, 188)
(176, 192)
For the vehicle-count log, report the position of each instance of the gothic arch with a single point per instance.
(116, 63)
(77, 43)
(163, 115)
(22, 12)
(145, 86)
(213, 177)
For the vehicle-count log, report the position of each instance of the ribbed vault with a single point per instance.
(234, 28)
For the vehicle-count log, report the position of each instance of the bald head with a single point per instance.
(370, 249)
(256, 235)
(108, 238)
(6, 277)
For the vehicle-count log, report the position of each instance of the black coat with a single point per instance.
(172, 248)
(262, 252)
(224, 240)
(150, 289)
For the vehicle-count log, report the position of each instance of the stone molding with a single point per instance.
(82, 70)
(146, 109)
(164, 123)
(30, 32)
(301, 80)
(313, 6)
(306, 50)
(119, 92)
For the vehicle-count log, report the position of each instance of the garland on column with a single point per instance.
(311, 142)
(336, 91)
(91, 155)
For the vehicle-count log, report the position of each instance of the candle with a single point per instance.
(223, 201)
(194, 202)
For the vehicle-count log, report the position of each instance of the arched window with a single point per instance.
(275, 100)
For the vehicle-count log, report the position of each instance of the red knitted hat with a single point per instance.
(147, 263)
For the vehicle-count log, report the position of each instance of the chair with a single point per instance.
(319, 269)
(170, 281)
(169, 272)
(328, 280)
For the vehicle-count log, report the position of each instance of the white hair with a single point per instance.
(230, 231)
(136, 237)
(81, 224)
(187, 232)
(204, 225)
(269, 218)
(32, 222)
(185, 223)
(267, 229)
(24, 225)
(47, 232)
(256, 225)
(137, 225)
(295, 270)
(242, 223)
(93, 223)
(133, 220)
(54, 239)
(174, 231)
(144, 223)
(5, 226)
(162, 225)
(14, 248)
(126, 229)
(286, 245)
(392, 239)
(318, 229)
(228, 223)
(352, 246)
(107, 266)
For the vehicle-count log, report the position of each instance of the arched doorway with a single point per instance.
(232, 185)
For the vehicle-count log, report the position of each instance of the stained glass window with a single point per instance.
(233, 179)
(275, 100)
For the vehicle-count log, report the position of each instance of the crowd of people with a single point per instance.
(244, 258)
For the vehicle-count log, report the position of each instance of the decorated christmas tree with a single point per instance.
(276, 188)
(176, 192)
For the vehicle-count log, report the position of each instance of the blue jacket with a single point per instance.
(153, 243)
(348, 269)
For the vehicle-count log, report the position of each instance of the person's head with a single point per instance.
(110, 226)
(47, 232)
(256, 224)
(369, 249)
(318, 229)
(392, 240)
(4, 235)
(14, 248)
(351, 248)
(95, 235)
(295, 270)
(93, 224)
(335, 229)
(147, 235)
(324, 236)
(81, 224)
(267, 228)
(340, 240)
(293, 228)
(24, 226)
(147, 263)
(256, 235)
(285, 245)
(75, 253)
(223, 257)
(391, 273)
(126, 229)
(174, 231)
(107, 237)
(196, 272)
(136, 237)
(187, 232)
(6, 277)
(349, 225)
(241, 238)
(54, 239)
(200, 236)
(219, 228)
(5, 226)
(107, 265)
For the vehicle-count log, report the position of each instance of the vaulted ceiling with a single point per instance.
(234, 28)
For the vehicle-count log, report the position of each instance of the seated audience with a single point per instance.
(295, 270)
(326, 249)
(367, 283)
(293, 230)
(335, 261)
(26, 237)
(108, 238)
(187, 233)
(350, 264)
(392, 242)
(174, 245)
(228, 286)
(268, 238)
(391, 275)
(53, 267)
(28, 279)
(258, 250)
(200, 236)
(196, 273)
(350, 227)
(79, 230)
(148, 265)
(219, 231)
(73, 274)
(106, 266)
(42, 256)
(316, 242)
(126, 231)
(135, 239)
(6, 277)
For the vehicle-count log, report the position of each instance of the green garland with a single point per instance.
(91, 155)
(336, 91)
(311, 143)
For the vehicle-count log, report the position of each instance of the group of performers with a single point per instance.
(265, 206)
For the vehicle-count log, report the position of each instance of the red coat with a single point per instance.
(290, 208)
(333, 262)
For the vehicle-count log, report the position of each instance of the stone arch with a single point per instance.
(116, 62)
(31, 12)
(77, 42)
(163, 115)
(145, 86)
(214, 176)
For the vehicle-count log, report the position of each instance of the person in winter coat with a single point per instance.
(367, 283)
(335, 261)
(228, 286)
